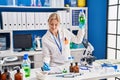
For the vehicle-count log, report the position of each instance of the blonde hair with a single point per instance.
(54, 16)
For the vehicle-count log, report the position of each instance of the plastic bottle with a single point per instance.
(81, 3)
(82, 19)
(26, 66)
(18, 75)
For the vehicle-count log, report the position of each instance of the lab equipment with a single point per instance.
(47, 3)
(71, 68)
(37, 43)
(82, 19)
(46, 67)
(18, 75)
(5, 75)
(73, 3)
(39, 3)
(76, 68)
(33, 2)
(26, 65)
(11, 2)
(0, 74)
(87, 58)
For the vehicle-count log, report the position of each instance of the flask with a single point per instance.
(33, 2)
(81, 19)
(39, 3)
(18, 75)
(81, 3)
(26, 66)
(76, 68)
(47, 3)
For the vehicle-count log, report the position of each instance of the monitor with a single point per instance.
(22, 41)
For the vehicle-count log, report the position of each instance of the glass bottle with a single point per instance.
(6, 75)
(71, 67)
(47, 3)
(76, 68)
(39, 3)
(18, 75)
(0, 75)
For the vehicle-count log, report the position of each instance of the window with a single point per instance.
(113, 32)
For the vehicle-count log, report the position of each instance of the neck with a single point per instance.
(55, 33)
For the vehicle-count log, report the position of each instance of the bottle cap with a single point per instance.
(25, 56)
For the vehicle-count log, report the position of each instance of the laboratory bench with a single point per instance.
(94, 73)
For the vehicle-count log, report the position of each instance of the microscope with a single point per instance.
(38, 43)
(87, 58)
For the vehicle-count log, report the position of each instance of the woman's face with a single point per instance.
(54, 26)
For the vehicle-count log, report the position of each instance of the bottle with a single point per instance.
(47, 3)
(26, 66)
(81, 3)
(82, 18)
(76, 68)
(18, 75)
(0, 75)
(39, 3)
(33, 2)
(6, 75)
(71, 67)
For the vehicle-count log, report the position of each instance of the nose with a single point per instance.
(54, 26)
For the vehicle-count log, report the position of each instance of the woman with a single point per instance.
(56, 43)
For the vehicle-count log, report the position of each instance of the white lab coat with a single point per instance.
(51, 53)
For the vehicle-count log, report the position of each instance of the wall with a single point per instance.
(96, 24)
(97, 16)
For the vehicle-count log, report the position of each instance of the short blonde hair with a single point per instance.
(54, 16)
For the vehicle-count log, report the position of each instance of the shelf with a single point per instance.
(10, 53)
(30, 8)
(14, 63)
(5, 31)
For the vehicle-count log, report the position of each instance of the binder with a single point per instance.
(4, 21)
(37, 20)
(30, 20)
(23, 21)
(9, 20)
(14, 20)
(19, 20)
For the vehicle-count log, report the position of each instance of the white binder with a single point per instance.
(10, 20)
(14, 20)
(37, 20)
(19, 20)
(23, 21)
(30, 20)
(4, 21)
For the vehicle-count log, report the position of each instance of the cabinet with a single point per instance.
(33, 20)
